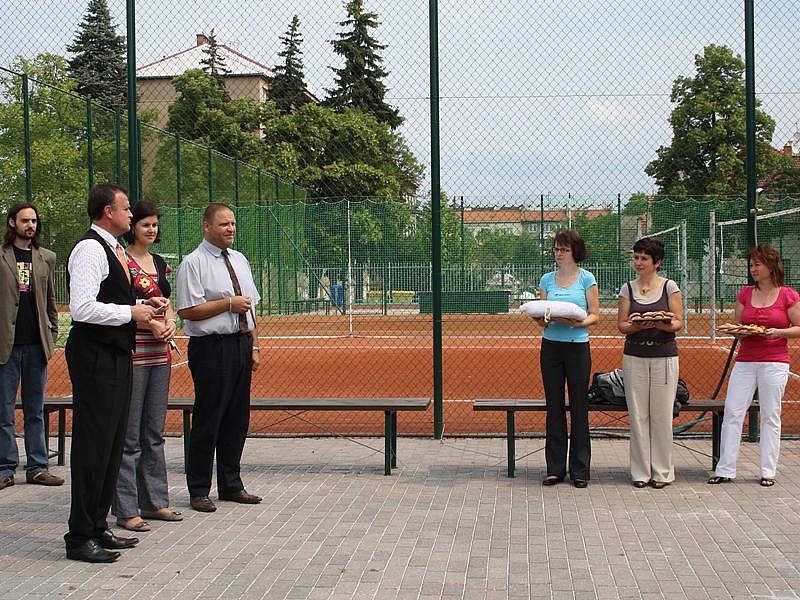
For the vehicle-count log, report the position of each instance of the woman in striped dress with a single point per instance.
(142, 491)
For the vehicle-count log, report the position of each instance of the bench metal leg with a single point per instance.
(510, 433)
(394, 439)
(387, 443)
(47, 431)
(62, 435)
(716, 436)
(187, 427)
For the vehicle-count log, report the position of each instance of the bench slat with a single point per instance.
(505, 404)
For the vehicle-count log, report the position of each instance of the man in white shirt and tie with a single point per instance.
(216, 294)
(104, 313)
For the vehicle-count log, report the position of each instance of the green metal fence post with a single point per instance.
(436, 224)
(26, 138)
(133, 155)
(237, 239)
(463, 251)
(541, 234)
(750, 162)
(139, 173)
(178, 195)
(294, 294)
(89, 143)
(210, 176)
(269, 259)
(117, 146)
(619, 223)
(260, 209)
(278, 252)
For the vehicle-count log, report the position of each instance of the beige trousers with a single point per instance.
(650, 385)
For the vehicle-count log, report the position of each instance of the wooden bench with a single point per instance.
(389, 407)
(511, 407)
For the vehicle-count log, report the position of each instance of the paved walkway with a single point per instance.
(447, 524)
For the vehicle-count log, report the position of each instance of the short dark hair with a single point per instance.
(102, 195)
(653, 247)
(769, 256)
(213, 208)
(11, 233)
(571, 238)
(142, 210)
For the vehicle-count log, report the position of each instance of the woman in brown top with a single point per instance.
(650, 364)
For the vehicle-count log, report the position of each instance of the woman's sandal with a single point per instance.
(767, 482)
(716, 480)
(139, 527)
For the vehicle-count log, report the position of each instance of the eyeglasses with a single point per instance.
(562, 250)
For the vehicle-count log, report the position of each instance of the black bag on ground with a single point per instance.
(609, 388)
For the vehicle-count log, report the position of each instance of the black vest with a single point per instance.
(114, 289)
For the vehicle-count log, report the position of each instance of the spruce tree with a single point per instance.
(288, 88)
(99, 62)
(214, 62)
(359, 83)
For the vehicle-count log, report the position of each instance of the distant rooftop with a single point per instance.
(176, 64)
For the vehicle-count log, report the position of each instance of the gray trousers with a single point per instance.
(142, 480)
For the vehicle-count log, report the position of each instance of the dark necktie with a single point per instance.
(237, 290)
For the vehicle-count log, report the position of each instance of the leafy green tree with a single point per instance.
(58, 148)
(497, 247)
(347, 154)
(784, 182)
(98, 64)
(359, 82)
(707, 153)
(420, 242)
(205, 113)
(214, 61)
(600, 235)
(288, 88)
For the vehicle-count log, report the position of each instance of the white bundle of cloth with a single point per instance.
(547, 309)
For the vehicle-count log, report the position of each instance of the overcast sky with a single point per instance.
(550, 97)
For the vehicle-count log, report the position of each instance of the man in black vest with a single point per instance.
(104, 313)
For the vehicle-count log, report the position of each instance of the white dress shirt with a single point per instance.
(203, 277)
(88, 268)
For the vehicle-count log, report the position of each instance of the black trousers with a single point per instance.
(101, 395)
(570, 363)
(222, 368)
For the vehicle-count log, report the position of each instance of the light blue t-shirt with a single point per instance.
(576, 293)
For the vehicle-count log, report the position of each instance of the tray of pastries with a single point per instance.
(741, 329)
(654, 316)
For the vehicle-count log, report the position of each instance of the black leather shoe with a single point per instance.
(202, 504)
(580, 483)
(92, 552)
(240, 496)
(109, 541)
(552, 480)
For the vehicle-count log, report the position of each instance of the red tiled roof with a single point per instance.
(519, 216)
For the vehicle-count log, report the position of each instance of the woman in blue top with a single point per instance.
(565, 358)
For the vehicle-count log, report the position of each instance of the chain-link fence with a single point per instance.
(313, 120)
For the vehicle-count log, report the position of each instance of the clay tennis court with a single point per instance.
(484, 356)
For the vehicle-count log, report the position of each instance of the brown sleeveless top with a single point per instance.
(650, 343)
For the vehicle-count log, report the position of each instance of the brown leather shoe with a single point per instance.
(203, 504)
(44, 478)
(240, 496)
(6, 482)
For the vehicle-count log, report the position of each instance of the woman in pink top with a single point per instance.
(762, 362)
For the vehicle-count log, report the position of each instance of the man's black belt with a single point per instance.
(221, 336)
